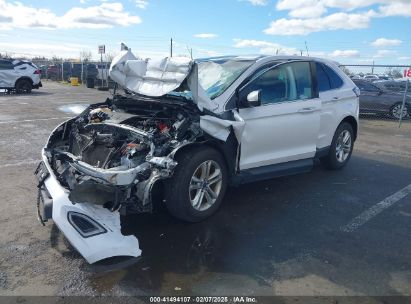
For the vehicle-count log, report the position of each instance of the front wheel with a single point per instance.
(341, 147)
(198, 185)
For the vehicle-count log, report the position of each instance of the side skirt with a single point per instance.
(273, 171)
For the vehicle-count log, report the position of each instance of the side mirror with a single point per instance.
(254, 98)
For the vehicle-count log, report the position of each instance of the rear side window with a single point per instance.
(322, 79)
(327, 78)
(335, 80)
(6, 65)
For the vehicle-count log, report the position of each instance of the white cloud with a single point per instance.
(383, 42)
(142, 4)
(344, 54)
(103, 16)
(308, 16)
(405, 58)
(266, 47)
(272, 48)
(206, 35)
(312, 11)
(384, 53)
(257, 2)
(45, 49)
(396, 8)
(334, 21)
(393, 6)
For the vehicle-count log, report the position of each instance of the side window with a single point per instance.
(6, 65)
(322, 78)
(367, 87)
(287, 82)
(335, 80)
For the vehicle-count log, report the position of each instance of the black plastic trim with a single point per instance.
(101, 229)
(273, 171)
(322, 152)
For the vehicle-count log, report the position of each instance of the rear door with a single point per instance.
(285, 126)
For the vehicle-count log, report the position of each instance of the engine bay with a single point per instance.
(112, 154)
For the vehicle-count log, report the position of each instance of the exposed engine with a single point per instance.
(113, 157)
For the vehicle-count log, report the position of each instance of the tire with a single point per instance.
(396, 109)
(338, 155)
(23, 86)
(188, 195)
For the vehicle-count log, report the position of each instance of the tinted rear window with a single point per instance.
(322, 79)
(335, 80)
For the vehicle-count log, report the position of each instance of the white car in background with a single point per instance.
(19, 75)
(197, 127)
(371, 78)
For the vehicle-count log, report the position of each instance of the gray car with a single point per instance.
(376, 100)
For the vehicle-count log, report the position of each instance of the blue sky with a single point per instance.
(349, 31)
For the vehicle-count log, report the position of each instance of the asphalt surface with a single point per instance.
(286, 236)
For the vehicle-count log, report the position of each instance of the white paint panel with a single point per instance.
(94, 248)
(279, 132)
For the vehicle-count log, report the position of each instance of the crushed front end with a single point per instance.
(104, 163)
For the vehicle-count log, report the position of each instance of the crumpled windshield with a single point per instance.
(216, 75)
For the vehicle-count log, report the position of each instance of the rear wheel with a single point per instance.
(23, 86)
(341, 147)
(396, 113)
(198, 185)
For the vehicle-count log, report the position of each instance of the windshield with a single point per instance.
(216, 75)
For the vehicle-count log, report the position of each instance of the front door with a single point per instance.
(285, 126)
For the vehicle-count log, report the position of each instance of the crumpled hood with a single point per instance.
(156, 78)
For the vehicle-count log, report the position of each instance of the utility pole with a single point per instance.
(306, 48)
(372, 69)
(171, 47)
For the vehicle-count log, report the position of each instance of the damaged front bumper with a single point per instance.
(94, 231)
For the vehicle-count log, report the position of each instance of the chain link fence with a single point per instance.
(89, 73)
(385, 91)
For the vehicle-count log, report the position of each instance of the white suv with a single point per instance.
(194, 127)
(19, 76)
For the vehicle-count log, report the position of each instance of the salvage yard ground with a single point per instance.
(320, 233)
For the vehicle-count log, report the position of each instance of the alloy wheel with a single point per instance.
(343, 147)
(205, 185)
(396, 111)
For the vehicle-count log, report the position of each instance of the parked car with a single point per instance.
(53, 72)
(371, 77)
(376, 100)
(195, 128)
(19, 75)
(392, 85)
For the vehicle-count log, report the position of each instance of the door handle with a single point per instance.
(307, 110)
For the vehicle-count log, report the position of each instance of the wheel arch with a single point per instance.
(353, 122)
(23, 78)
(227, 149)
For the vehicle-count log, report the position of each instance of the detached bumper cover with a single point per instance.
(110, 242)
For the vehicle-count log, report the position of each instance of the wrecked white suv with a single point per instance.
(20, 76)
(195, 126)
